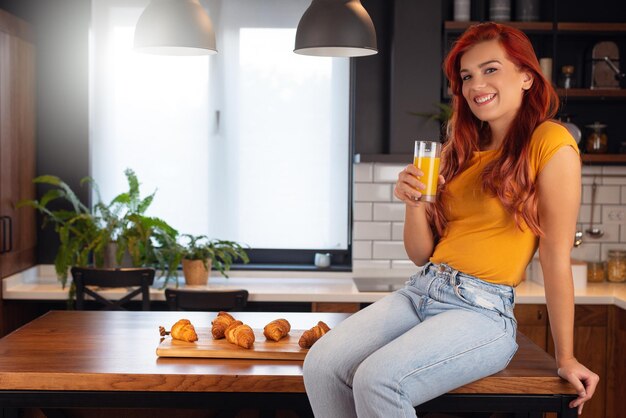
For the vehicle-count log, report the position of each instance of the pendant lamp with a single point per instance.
(336, 28)
(175, 27)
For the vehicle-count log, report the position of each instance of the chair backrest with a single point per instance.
(206, 300)
(141, 278)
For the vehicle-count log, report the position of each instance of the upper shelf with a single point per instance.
(591, 27)
(547, 26)
(604, 158)
(529, 26)
(590, 159)
(591, 93)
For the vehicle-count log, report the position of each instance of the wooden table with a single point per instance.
(68, 359)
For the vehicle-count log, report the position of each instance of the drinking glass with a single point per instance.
(426, 157)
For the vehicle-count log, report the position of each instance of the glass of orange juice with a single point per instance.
(426, 157)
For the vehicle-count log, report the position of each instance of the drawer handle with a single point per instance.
(539, 314)
(10, 222)
(4, 235)
(7, 230)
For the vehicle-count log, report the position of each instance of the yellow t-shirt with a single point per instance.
(481, 238)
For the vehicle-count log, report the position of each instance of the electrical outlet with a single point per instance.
(617, 215)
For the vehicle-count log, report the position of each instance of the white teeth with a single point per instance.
(484, 99)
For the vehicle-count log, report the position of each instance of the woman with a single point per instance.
(512, 185)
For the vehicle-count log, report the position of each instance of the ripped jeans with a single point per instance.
(444, 329)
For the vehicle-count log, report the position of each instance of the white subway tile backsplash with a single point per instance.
(397, 231)
(604, 194)
(372, 192)
(363, 172)
(586, 252)
(403, 264)
(388, 173)
(362, 249)
(379, 217)
(584, 214)
(620, 171)
(607, 247)
(362, 211)
(404, 267)
(389, 249)
(612, 214)
(588, 171)
(611, 233)
(371, 231)
(370, 264)
(389, 211)
(614, 169)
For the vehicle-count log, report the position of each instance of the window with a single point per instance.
(251, 144)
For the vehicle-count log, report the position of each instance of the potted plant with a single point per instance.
(200, 253)
(442, 115)
(87, 235)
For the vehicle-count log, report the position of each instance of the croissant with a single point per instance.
(220, 323)
(310, 336)
(240, 334)
(183, 330)
(277, 329)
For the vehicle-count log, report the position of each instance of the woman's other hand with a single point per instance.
(408, 187)
(583, 380)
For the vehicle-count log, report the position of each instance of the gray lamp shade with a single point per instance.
(175, 27)
(336, 28)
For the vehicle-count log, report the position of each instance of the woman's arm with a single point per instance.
(418, 236)
(558, 187)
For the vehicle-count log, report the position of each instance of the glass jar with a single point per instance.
(567, 76)
(597, 141)
(595, 271)
(617, 266)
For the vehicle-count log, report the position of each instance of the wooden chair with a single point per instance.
(206, 300)
(140, 278)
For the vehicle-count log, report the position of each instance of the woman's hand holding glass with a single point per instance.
(409, 188)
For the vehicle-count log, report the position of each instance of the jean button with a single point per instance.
(442, 269)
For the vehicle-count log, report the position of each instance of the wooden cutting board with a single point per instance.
(206, 347)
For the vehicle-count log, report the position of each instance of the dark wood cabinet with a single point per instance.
(403, 77)
(616, 364)
(17, 144)
(532, 321)
(599, 332)
(590, 348)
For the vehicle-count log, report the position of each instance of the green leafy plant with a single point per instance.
(85, 234)
(443, 114)
(221, 253)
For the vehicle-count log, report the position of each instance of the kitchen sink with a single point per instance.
(379, 284)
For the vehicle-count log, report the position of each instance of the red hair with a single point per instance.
(508, 177)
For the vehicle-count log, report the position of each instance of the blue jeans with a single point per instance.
(444, 329)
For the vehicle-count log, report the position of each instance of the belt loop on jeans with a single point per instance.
(453, 279)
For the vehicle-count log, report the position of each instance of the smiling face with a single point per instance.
(492, 84)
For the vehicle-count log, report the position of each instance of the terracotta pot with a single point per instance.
(195, 273)
(109, 257)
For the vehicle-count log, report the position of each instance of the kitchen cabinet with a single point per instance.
(532, 321)
(403, 77)
(599, 339)
(590, 347)
(17, 144)
(616, 364)
(567, 32)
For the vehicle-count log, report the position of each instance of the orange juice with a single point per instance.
(430, 168)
